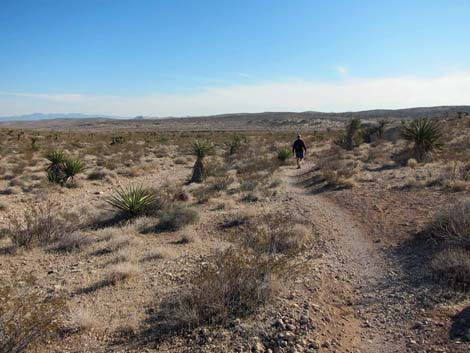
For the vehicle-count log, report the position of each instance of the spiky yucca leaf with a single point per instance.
(425, 133)
(133, 200)
(56, 157)
(202, 148)
(71, 167)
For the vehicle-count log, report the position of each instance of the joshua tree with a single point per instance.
(426, 134)
(200, 148)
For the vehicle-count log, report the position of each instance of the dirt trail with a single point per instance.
(357, 279)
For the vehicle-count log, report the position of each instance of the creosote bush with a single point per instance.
(452, 267)
(452, 224)
(73, 241)
(235, 284)
(276, 234)
(42, 225)
(27, 316)
(176, 217)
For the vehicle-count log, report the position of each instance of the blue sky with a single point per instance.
(204, 57)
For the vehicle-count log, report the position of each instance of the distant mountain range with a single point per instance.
(41, 116)
(254, 118)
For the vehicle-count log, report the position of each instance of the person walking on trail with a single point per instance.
(299, 149)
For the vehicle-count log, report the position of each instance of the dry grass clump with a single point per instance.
(235, 284)
(42, 224)
(176, 217)
(119, 242)
(452, 224)
(100, 174)
(12, 190)
(239, 219)
(186, 238)
(122, 272)
(73, 241)
(276, 234)
(338, 179)
(452, 267)
(27, 316)
(81, 320)
(155, 255)
(412, 163)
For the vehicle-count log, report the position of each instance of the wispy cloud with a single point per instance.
(69, 97)
(341, 70)
(244, 75)
(348, 94)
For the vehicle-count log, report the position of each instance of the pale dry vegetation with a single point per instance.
(196, 219)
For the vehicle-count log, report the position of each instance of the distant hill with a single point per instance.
(41, 116)
(236, 121)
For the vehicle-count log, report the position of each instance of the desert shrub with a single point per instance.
(426, 134)
(176, 217)
(97, 174)
(132, 201)
(215, 168)
(27, 316)
(251, 197)
(222, 183)
(338, 179)
(235, 284)
(465, 172)
(283, 154)
(452, 223)
(81, 320)
(121, 273)
(73, 241)
(180, 161)
(452, 267)
(42, 224)
(275, 233)
(117, 140)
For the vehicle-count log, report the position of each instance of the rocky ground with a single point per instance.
(359, 284)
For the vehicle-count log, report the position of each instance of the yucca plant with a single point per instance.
(54, 169)
(283, 154)
(353, 136)
(133, 200)
(234, 144)
(201, 149)
(353, 133)
(426, 134)
(70, 168)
